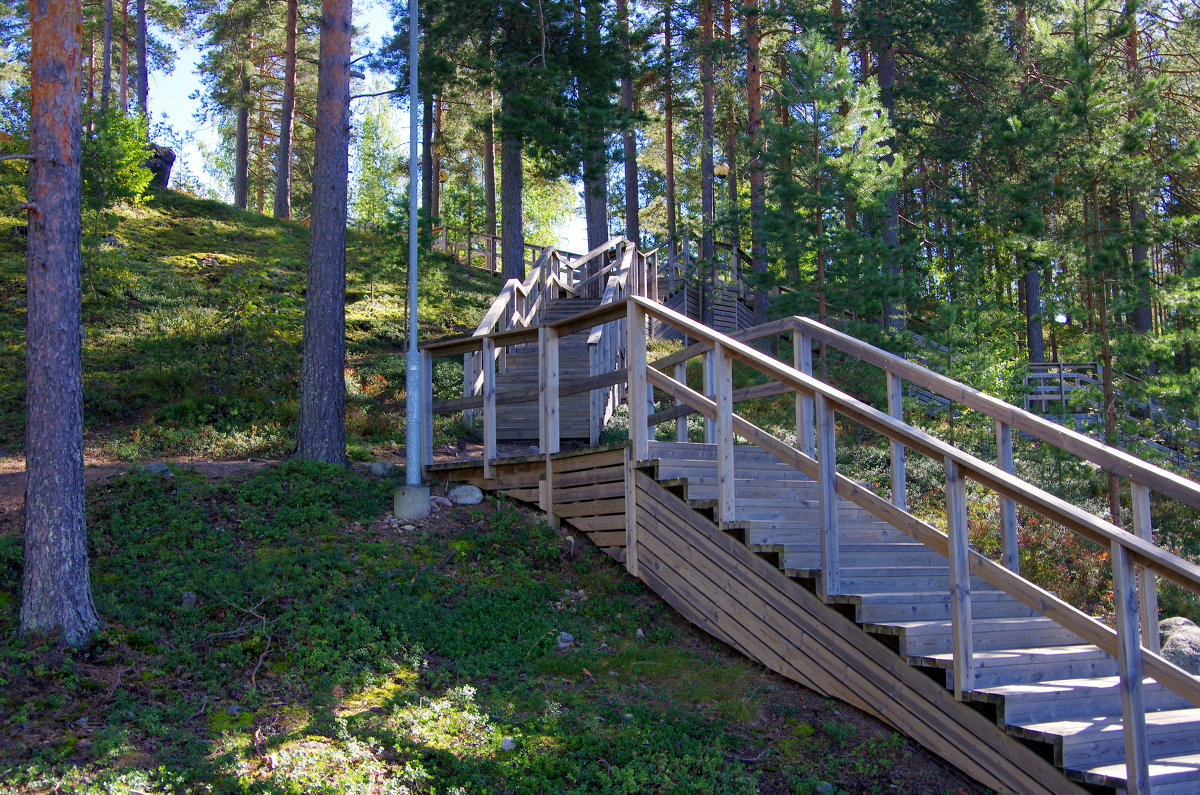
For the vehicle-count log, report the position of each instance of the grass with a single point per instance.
(273, 632)
(194, 317)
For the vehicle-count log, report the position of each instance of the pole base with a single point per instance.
(411, 503)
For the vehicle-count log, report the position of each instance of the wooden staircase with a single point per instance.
(768, 548)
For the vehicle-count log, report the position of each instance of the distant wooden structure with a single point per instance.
(766, 546)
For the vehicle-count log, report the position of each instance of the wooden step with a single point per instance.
(1177, 774)
(1088, 742)
(1066, 699)
(907, 578)
(921, 638)
(888, 607)
(780, 532)
(1027, 665)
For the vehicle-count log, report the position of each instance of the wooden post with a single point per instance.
(710, 386)
(831, 569)
(1010, 556)
(427, 406)
(723, 372)
(631, 516)
(802, 361)
(467, 248)
(1147, 582)
(1129, 666)
(895, 398)
(635, 358)
(596, 397)
(470, 375)
(960, 578)
(548, 399)
(488, 357)
(681, 423)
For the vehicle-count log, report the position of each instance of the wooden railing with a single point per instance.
(1136, 560)
(469, 246)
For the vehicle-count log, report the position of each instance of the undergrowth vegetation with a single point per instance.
(272, 632)
(194, 315)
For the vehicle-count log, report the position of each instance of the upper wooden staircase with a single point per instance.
(766, 546)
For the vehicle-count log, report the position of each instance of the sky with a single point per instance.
(172, 102)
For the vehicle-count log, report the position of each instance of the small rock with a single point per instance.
(440, 502)
(158, 468)
(408, 528)
(233, 709)
(566, 637)
(381, 469)
(639, 634)
(508, 744)
(112, 240)
(466, 495)
(824, 786)
(627, 716)
(84, 745)
(189, 600)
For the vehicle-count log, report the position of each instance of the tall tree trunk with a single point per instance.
(886, 74)
(633, 230)
(707, 199)
(56, 593)
(321, 430)
(1139, 251)
(595, 197)
(283, 159)
(241, 146)
(758, 194)
(512, 188)
(668, 125)
(427, 175)
(106, 67)
(436, 195)
(143, 65)
(123, 70)
(731, 180)
(595, 94)
(489, 170)
(1033, 314)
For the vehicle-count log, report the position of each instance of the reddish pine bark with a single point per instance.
(283, 162)
(56, 593)
(321, 431)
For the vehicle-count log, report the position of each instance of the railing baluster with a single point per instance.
(831, 569)
(681, 423)
(960, 578)
(802, 361)
(895, 399)
(709, 389)
(488, 361)
(1147, 582)
(1129, 665)
(1008, 508)
(548, 400)
(635, 358)
(723, 373)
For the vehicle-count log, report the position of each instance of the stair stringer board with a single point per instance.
(722, 587)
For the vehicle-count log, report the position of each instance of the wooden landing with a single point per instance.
(737, 596)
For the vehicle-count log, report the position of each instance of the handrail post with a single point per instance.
(895, 399)
(635, 361)
(470, 372)
(831, 569)
(960, 578)
(427, 407)
(488, 361)
(723, 367)
(710, 386)
(802, 361)
(681, 423)
(1147, 582)
(1008, 507)
(1129, 665)
(548, 379)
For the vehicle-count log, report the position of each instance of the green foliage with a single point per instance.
(114, 160)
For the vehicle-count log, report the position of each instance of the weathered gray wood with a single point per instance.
(960, 580)
(1129, 663)
(631, 516)
(1147, 586)
(548, 435)
(709, 389)
(681, 422)
(488, 356)
(831, 583)
(802, 361)
(635, 354)
(726, 474)
(1010, 555)
(895, 400)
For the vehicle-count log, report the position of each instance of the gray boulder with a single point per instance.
(381, 469)
(1181, 644)
(466, 495)
(160, 161)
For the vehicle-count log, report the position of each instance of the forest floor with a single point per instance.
(268, 629)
